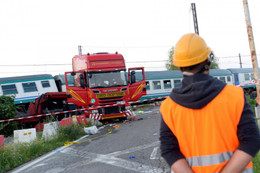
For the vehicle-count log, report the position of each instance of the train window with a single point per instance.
(246, 76)
(156, 85)
(252, 76)
(177, 83)
(9, 89)
(29, 87)
(228, 78)
(222, 79)
(45, 84)
(167, 84)
(147, 85)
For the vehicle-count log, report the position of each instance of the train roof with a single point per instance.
(241, 70)
(149, 75)
(162, 74)
(25, 78)
(219, 72)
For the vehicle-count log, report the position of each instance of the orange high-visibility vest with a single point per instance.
(208, 136)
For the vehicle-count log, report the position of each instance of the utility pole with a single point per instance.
(80, 49)
(240, 62)
(252, 48)
(195, 21)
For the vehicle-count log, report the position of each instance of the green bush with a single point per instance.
(7, 128)
(7, 111)
(71, 132)
(7, 107)
(252, 102)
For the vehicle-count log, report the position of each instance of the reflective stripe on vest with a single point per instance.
(210, 159)
(213, 159)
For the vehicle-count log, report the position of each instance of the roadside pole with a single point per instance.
(253, 52)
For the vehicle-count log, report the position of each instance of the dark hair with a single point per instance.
(196, 66)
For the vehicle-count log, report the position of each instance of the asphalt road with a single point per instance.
(131, 148)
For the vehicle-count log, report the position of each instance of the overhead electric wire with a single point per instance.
(221, 59)
(135, 47)
(23, 65)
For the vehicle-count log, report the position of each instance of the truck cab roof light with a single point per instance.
(101, 53)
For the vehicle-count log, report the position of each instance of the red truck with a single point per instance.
(101, 84)
(99, 87)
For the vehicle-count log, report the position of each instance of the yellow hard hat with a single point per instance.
(190, 50)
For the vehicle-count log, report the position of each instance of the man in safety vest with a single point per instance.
(207, 126)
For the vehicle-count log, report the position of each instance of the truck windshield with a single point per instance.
(107, 79)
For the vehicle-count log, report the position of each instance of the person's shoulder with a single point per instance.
(234, 88)
(234, 92)
(166, 102)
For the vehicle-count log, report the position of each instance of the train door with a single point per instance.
(236, 79)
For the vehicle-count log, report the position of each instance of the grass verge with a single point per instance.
(256, 163)
(13, 155)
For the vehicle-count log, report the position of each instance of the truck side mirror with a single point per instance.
(82, 84)
(133, 80)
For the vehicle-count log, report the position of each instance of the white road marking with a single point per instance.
(154, 153)
(129, 165)
(130, 150)
(110, 160)
(55, 170)
(41, 164)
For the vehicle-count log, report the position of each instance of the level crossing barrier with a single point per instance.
(92, 115)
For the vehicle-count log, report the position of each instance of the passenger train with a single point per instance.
(158, 83)
(27, 88)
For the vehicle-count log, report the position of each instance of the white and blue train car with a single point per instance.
(242, 75)
(160, 83)
(223, 75)
(27, 88)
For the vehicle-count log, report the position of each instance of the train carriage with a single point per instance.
(243, 77)
(160, 83)
(27, 88)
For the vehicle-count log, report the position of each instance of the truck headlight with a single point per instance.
(120, 102)
(94, 111)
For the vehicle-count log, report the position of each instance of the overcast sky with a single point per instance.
(37, 32)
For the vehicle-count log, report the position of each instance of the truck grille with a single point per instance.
(110, 100)
(111, 110)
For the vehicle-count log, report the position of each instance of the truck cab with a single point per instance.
(101, 84)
